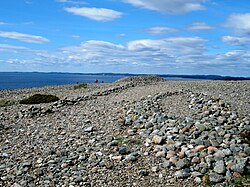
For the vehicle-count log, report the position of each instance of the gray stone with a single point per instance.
(161, 119)
(219, 155)
(221, 120)
(155, 168)
(227, 152)
(88, 129)
(182, 163)
(148, 125)
(128, 120)
(234, 148)
(184, 173)
(214, 177)
(220, 167)
(124, 150)
(200, 127)
(239, 167)
(78, 179)
(247, 150)
(203, 167)
(209, 159)
(26, 164)
(16, 185)
(113, 143)
(132, 157)
(196, 174)
(228, 175)
(214, 142)
(198, 180)
(5, 155)
(166, 164)
(144, 173)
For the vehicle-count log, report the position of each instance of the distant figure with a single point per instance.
(102, 81)
(77, 82)
(96, 81)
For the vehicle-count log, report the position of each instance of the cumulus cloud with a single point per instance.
(160, 30)
(173, 54)
(97, 14)
(238, 41)
(169, 6)
(196, 26)
(24, 37)
(239, 22)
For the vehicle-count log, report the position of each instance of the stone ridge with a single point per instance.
(141, 79)
(206, 146)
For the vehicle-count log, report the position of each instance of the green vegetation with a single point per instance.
(4, 103)
(39, 98)
(79, 86)
(243, 180)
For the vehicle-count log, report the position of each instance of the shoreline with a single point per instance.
(14, 80)
(138, 131)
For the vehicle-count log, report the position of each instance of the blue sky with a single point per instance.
(126, 36)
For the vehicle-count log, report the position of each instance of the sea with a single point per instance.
(15, 80)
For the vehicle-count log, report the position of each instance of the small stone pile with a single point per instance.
(206, 146)
(139, 80)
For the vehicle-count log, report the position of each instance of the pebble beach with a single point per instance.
(137, 131)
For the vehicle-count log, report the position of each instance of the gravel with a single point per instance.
(139, 131)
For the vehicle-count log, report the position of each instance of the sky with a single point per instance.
(126, 36)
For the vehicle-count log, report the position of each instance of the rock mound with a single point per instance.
(39, 98)
(141, 79)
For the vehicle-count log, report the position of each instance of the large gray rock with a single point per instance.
(214, 177)
(220, 167)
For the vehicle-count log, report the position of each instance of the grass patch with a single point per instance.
(79, 86)
(39, 98)
(243, 180)
(4, 103)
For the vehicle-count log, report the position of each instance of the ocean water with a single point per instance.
(14, 80)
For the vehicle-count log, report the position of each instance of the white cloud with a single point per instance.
(94, 51)
(168, 55)
(196, 26)
(239, 22)
(173, 46)
(76, 37)
(71, 2)
(169, 6)
(98, 14)
(238, 41)
(237, 57)
(11, 48)
(121, 35)
(24, 37)
(160, 30)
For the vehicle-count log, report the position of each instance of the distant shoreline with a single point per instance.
(197, 76)
(17, 80)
